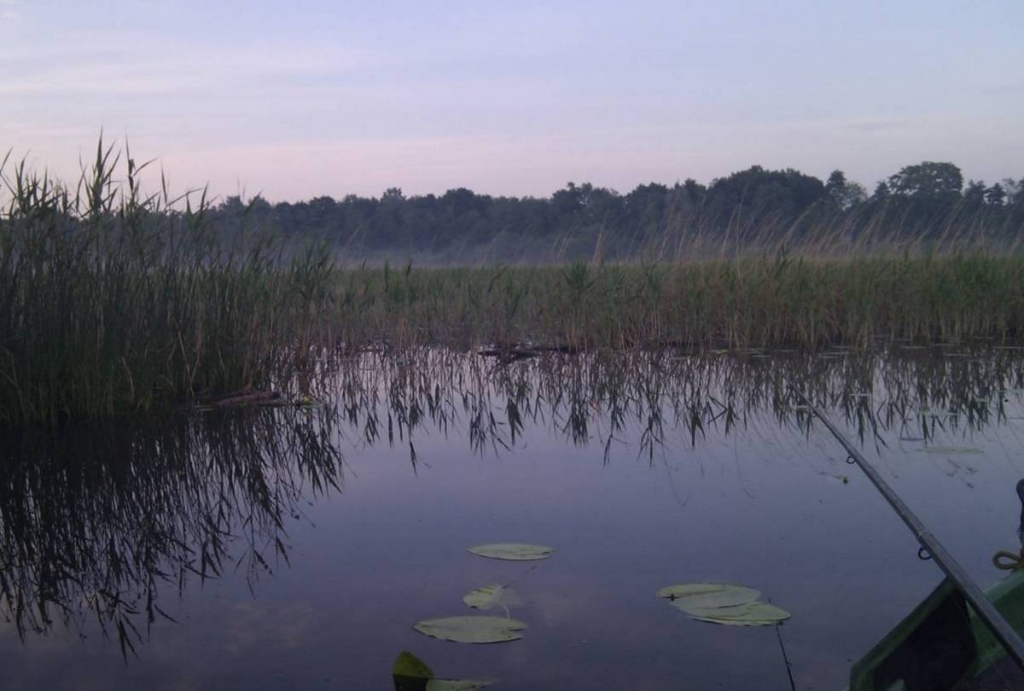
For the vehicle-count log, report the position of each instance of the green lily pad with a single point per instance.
(512, 551)
(710, 594)
(408, 665)
(747, 614)
(472, 629)
(723, 603)
(489, 596)
(413, 674)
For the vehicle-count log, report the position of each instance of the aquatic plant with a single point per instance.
(808, 302)
(116, 301)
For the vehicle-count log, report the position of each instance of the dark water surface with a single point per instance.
(294, 548)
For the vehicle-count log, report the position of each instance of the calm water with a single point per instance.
(294, 549)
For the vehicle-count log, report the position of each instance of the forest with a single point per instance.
(926, 203)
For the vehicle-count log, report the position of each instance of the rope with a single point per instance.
(1008, 561)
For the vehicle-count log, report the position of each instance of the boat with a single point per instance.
(944, 646)
(959, 638)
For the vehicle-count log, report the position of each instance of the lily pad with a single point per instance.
(747, 614)
(413, 674)
(512, 551)
(489, 596)
(723, 603)
(709, 594)
(472, 629)
(408, 665)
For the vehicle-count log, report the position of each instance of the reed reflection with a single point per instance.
(97, 521)
(603, 397)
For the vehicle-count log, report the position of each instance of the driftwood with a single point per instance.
(246, 396)
(523, 352)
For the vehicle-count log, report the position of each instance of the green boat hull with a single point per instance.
(942, 645)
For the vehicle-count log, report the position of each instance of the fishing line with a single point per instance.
(982, 606)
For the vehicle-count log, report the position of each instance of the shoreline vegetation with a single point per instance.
(114, 301)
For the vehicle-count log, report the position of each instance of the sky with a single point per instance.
(294, 100)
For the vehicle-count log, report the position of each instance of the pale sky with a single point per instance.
(299, 99)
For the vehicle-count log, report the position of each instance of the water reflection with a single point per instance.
(597, 398)
(98, 521)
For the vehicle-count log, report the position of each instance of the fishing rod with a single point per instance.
(982, 606)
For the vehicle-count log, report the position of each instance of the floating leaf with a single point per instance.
(408, 665)
(710, 594)
(747, 614)
(413, 674)
(723, 603)
(489, 596)
(472, 629)
(512, 551)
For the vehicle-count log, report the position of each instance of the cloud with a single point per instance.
(135, 67)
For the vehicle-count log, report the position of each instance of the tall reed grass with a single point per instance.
(760, 282)
(114, 301)
(801, 301)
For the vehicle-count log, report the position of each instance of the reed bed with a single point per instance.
(802, 302)
(114, 302)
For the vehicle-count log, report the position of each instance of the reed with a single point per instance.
(807, 302)
(113, 301)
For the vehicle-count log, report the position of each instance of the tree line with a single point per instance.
(927, 201)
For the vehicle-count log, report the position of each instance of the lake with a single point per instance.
(296, 547)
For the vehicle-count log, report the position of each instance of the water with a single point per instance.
(294, 548)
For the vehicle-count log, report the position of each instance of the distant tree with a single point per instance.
(1014, 190)
(928, 181)
(393, 195)
(462, 201)
(568, 201)
(645, 206)
(695, 191)
(232, 205)
(974, 194)
(782, 194)
(259, 204)
(995, 195)
(460, 224)
(844, 193)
